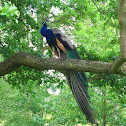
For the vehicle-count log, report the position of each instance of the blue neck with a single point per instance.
(44, 30)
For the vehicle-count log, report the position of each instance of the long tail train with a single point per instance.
(80, 94)
(79, 86)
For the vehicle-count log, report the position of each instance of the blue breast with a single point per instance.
(43, 31)
(51, 40)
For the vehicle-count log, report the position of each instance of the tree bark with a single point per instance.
(122, 25)
(25, 59)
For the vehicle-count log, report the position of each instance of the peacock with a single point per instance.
(63, 48)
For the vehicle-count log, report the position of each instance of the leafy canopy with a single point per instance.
(93, 27)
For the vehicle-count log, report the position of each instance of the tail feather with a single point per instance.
(82, 81)
(78, 84)
(80, 95)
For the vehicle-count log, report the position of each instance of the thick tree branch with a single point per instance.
(116, 65)
(122, 24)
(25, 59)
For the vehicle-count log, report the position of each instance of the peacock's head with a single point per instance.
(44, 23)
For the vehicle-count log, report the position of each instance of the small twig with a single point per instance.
(61, 18)
(50, 13)
(96, 78)
(97, 7)
(104, 106)
(24, 23)
(1, 43)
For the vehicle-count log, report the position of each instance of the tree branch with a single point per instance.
(25, 59)
(116, 65)
(97, 77)
(122, 23)
(97, 7)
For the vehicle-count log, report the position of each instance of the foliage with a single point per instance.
(93, 26)
(39, 107)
